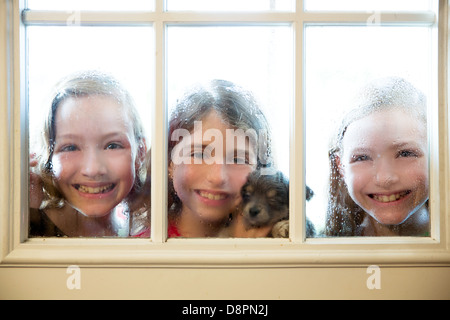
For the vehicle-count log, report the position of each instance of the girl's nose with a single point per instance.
(93, 165)
(216, 174)
(385, 173)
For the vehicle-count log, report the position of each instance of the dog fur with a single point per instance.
(265, 201)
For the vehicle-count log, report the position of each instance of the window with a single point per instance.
(339, 61)
(299, 61)
(232, 68)
(88, 56)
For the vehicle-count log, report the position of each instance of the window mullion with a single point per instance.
(88, 18)
(159, 219)
(159, 120)
(160, 6)
(371, 18)
(297, 168)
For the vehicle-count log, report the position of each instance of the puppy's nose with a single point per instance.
(254, 211)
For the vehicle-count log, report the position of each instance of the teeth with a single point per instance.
(211, 196)
(95, 190)
(390, 198)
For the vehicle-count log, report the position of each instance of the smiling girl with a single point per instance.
(92, 159)
(205, 183)
(379, 182)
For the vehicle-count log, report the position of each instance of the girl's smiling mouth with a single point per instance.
(386, 198)
(94, 190)
(212, 195)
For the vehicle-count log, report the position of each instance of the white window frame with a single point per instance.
(17, 250)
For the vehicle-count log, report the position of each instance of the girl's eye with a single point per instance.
(407, 153)
(68, 148)
(240, 157)
(358, 158)
(113, 145)
(197, 154)
(241, 160)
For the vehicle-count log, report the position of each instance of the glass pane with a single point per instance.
(367, 5)
(88, 155)
(245, 74)
(353, 76)
(106, 5)
(230, 5)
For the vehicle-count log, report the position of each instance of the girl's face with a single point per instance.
(93, 162)
(385, 165)
(210, 191)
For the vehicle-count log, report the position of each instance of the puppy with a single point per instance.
(265, 201)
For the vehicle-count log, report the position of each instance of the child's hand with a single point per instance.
(36, 194)
(240, 231)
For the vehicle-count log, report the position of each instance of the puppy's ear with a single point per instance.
(309, 193)
(282, 179)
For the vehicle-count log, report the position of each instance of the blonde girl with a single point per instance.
(379, 165)
(92, 159)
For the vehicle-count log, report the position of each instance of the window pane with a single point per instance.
(96, 158)
(339, 62)
(231, 5)
(367, 5)
(247, 61)
(91, 5)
